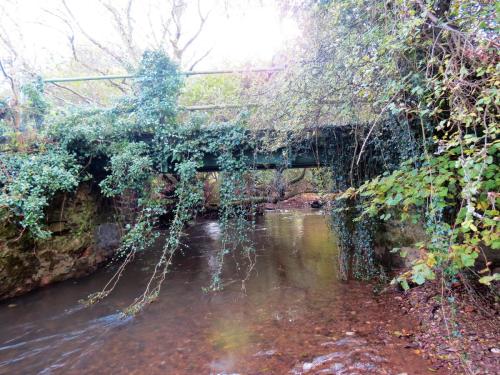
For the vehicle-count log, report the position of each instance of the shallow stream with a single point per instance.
(293, 317)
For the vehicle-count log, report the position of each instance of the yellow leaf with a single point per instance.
(431, 260)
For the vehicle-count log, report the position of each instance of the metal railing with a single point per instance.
(133, 76)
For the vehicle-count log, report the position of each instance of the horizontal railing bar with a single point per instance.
(133, 76)
(237, 71)
(217, 106)
(96, 78)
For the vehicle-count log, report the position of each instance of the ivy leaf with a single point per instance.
(421, 272)
(486, 280)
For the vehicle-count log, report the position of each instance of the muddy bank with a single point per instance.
(82, 239)
(457, 327)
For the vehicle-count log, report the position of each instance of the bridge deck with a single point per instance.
(274, 161)
(305, 148)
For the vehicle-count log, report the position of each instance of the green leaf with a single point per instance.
(487, 280)
(421, 272)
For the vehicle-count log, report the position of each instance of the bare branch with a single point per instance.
(84, 98)
(203, 19)
(99, 45)
(435, 20)
(124, 27)
(10, 79)
(197, 61)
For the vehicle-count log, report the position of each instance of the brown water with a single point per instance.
(294, 318)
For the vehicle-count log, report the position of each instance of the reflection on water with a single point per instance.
(294, 317)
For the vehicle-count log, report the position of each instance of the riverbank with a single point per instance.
(456, 328)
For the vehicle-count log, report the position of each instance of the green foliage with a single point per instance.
(130, 169)
(35, 106)
(344, 73)
(211, 89)
(29, 181)
(420, 80)
(189, 194)
(233, 213)
(5, 114)
(214, 91)
(454, 195)
(432, 66)
(126, 150)
(450, 85)
(159, 84)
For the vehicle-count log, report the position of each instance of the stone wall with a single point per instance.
(82, 239)
(395, 234)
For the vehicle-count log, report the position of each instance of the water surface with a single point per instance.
(293, 315)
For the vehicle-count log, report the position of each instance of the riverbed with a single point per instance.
(291, 316)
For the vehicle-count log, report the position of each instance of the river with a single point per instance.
(293, 317)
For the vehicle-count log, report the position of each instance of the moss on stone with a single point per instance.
(26, 263)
